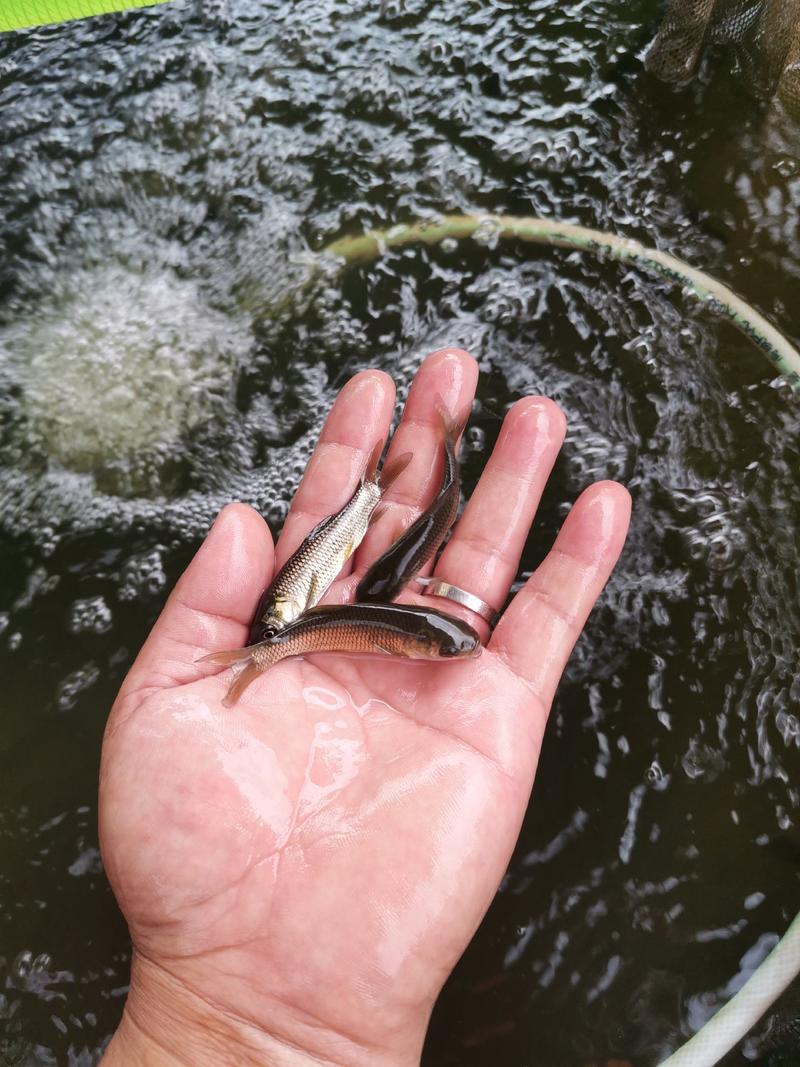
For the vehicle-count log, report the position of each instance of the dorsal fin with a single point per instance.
(371, 470)
(319, 527)
(393, 469)
(449, 428)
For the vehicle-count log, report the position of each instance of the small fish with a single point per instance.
(404, 559)
(394, 629)
(305, 577)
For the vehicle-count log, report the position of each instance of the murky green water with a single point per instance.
(162, 176)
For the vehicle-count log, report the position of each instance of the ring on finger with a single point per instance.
(438, 587)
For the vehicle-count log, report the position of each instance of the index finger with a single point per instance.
(358, 420)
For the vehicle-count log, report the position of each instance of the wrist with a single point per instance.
(166, 1024)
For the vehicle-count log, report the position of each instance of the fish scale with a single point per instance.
(411, 632)
(304, 578)
(309, 572)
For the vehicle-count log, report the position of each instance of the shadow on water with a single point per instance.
(163, 177)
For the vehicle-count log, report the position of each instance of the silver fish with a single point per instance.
(306, 576)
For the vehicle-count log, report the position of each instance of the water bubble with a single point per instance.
(753, 901)
(702, 761)
(487, 232)
(475, 440)
(74, 684)
(87, 862)
(143, 576)
(655, 775)
(438, 51)
(393, 9)
(92, 614)
(787, 167)
(789, 728)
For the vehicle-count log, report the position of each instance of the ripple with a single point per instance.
(165, 175)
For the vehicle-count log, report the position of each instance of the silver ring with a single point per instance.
(438, 587)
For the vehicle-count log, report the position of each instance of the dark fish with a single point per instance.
(404, 559)
(306, 576)
(394, 629)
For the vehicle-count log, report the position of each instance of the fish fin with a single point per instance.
(319, 527)
(449, 427)
(392, 470)
(316, 590)
(241, 682)
(381, 648)
(295, 608)
(227, 658)
(371, 470)
(378, 513)
(393, 521)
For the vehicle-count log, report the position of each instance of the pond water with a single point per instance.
(163, 177)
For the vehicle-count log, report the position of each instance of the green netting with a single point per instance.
(762, 38)
(18, 14)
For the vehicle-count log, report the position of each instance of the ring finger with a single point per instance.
(483, 554)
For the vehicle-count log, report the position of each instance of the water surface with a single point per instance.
(163, 177)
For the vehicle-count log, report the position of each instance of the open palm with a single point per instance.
(301, 872)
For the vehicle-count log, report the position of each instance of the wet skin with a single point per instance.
(301, 872)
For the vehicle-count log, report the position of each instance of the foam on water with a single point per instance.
(112, 370)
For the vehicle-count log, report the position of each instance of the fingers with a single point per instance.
(484, 552)
(536, 634)
(359, 419)
(449, 375)
(212, 605)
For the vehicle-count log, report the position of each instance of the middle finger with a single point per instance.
(449, 377)
(484, 551)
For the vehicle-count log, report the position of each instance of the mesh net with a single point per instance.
(764, 34)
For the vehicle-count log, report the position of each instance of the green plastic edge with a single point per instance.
(728, 1026)
(369, 246)
(22, 14)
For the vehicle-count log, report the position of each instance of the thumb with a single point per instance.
(211, 606)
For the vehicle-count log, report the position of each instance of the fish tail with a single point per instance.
(230, 658)
(371, 470)
(227, 658)
(241, 682)
(393, 469)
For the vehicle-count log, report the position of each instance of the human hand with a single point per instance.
(300, 873)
